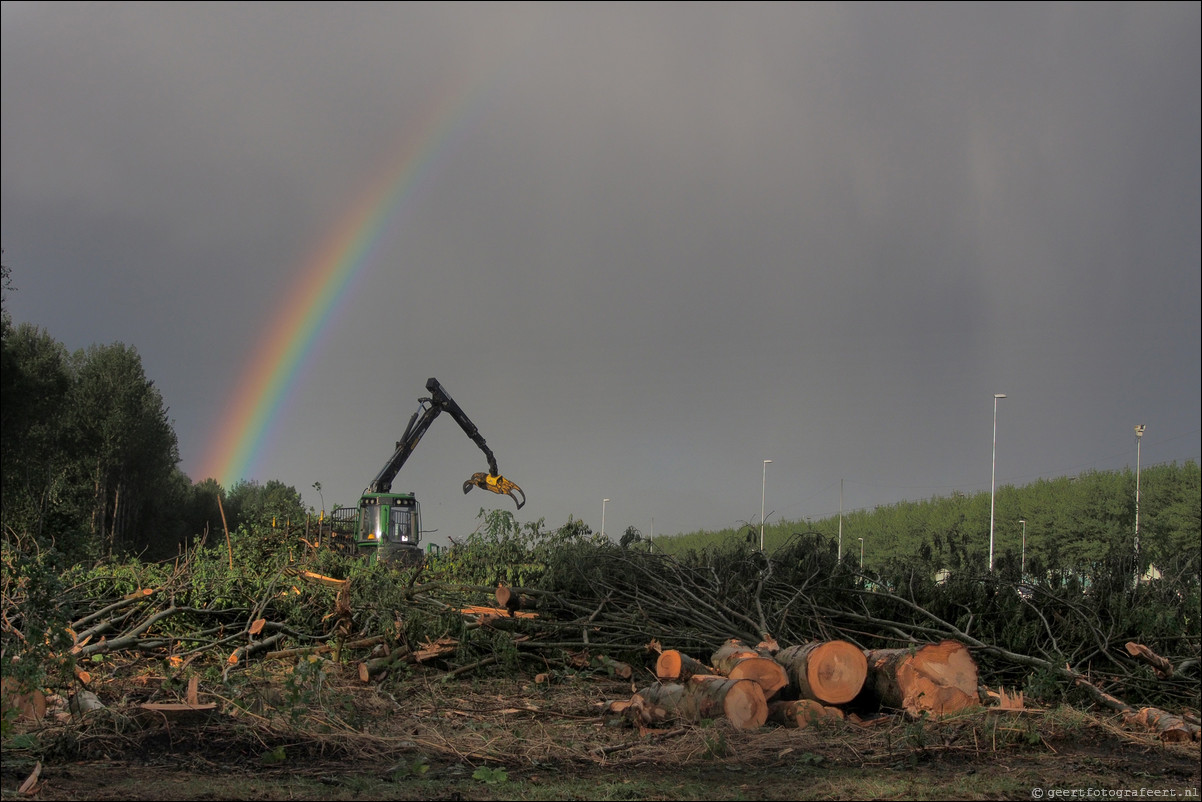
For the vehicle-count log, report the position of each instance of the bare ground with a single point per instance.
(274, 737)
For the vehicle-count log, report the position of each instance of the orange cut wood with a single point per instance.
(672, 665)
(730, 653)
(765, 672)
(801, 713)
(740, 701)
(832, 672)
(737, 660)
(937, 678)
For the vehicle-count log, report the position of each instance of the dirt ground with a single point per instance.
(426, 737)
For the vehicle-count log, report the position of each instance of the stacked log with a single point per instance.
(801, 713)
(736, 660)
(938, 678)
(742, 683)
(831, 672)
(739, 701)
(674, 666)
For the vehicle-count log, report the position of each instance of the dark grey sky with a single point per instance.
(662, 243)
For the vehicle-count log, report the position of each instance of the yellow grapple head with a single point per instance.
(496, 484)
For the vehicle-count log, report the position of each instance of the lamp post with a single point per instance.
(861, 552)
(763, 490)
(839, 554)
(993, 478)
(604, 501)
(1139, 437)
(1023, 570)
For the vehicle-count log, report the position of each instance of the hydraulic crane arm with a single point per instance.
(430, 408)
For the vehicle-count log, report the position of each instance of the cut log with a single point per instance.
(801, 713)
(640, 712)
(764, 671)
(730, 653)
(737, 661)
(483, 613)
(509, 599)
(428, 651)
(1170, 728)
(674, 666)
(1162, 667)
(830, 672)
(937, 678)
(613, 667)
(740, 701)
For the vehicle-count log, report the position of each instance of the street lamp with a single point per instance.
(763, 490)
(604, 501)
(861, 552)
(993, 478)
(1139, 438)
(1023, 570)
(839, 554)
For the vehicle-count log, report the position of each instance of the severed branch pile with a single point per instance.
(857, 641)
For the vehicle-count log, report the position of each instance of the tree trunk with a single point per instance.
(937, 678)
(118, 511)
(830, 672)
(706, 696)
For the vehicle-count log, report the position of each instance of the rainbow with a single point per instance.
(325, 281)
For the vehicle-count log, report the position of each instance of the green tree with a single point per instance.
(35, 379)
(250, 502)
(127, 448)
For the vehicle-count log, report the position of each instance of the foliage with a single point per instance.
(89, 458)
(502, 550)
(273, 503)
(35, 634)
(1076, 527)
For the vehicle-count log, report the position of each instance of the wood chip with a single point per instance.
(29, 787)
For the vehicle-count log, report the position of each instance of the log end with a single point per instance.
(765, 672)
(836, 672)
(667, 666)
(745, 706)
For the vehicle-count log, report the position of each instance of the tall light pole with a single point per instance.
(861, 552)
(1139, 438)
(1023, 571)
(604, 501)
(839, 556)
(763, 490)
(993, 478)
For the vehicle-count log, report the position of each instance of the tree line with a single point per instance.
(90, 460)
(1077, 529)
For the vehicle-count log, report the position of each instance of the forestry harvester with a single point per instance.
(387, 526)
